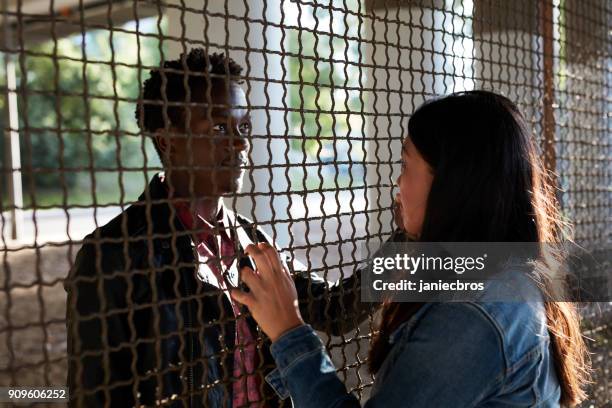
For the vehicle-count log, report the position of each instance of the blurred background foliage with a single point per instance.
(78, 115)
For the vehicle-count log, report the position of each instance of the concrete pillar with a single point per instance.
(508, 53)
(584, 121)
(410, 60)
(12, 151)
(222, 27)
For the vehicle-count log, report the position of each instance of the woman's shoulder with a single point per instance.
(510, 313)
(512, 330)
(522, 327)
(463, 327)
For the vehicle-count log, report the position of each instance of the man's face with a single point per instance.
(216, 153)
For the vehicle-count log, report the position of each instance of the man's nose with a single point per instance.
(236, 141)
(240, 142)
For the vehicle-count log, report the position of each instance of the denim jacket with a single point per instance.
(456, 354)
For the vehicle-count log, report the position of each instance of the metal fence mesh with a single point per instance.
(329, 86)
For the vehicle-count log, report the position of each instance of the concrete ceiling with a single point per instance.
(42, 6)
(35, 19)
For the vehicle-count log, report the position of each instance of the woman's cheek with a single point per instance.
(407, 206)
(411, 221)
(413, 209)
(406, 220)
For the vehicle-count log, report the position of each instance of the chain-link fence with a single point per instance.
(328, 89)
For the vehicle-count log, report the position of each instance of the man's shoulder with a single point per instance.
(252, 229)
(105, 244)
(243, 220)
(257, 233)
(128, 222)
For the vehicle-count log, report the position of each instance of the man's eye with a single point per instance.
(221, 127)
(245, 127)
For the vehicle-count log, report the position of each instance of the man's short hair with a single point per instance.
(150, 110)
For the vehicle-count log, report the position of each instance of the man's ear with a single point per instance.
(165, 146)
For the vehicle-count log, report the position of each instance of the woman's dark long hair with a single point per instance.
(490, 186)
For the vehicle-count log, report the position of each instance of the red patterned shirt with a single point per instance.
(247, 382)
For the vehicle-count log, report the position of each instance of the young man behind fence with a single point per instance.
(149, 316)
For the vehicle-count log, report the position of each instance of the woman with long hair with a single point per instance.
(470, 173)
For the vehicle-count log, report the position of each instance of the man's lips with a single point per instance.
(235, 163)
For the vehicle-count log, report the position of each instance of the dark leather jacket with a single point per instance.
(143, 329)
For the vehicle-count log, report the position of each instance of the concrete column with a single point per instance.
(584, 122)
(410, 60)
(222, 26)
(12, 151)
(508, 53)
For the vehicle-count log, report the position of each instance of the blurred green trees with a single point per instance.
(79, 115)
(327, 103)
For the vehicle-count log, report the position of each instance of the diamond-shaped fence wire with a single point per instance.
(328, 89)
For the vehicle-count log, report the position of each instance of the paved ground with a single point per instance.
(56, 225)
